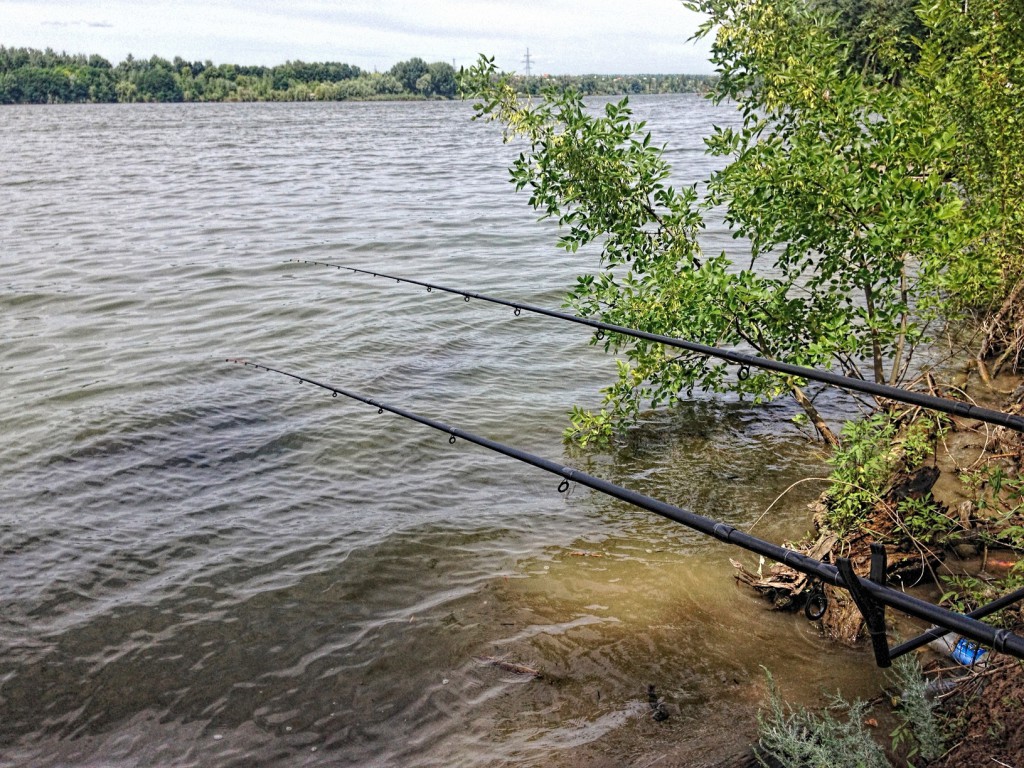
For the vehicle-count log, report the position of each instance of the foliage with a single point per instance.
(963, 593)
(924, 520)
(999, 495)
(883, 36)
(30, 76)
(971, 72)
(43, 77)
(604, 181)
(836, 174)
(872, 451)
(919, 439)
(918, 730)
(613, 85)
(998, 492)
(797, 738)
(442, 79)
(409, 72)
(837, 180)
(860, 468)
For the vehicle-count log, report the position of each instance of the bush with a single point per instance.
(797, 738)
(919, 728)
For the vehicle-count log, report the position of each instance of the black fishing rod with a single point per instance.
(871, 595)
(931, 402)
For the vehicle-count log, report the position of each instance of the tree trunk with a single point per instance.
(812, 413)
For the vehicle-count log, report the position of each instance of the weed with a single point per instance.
(918, 730)
(920, 439)
(860, 468)
(924, 520)
(797, 738)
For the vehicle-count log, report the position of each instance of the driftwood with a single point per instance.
(509, 666)
(907, 563)
(781, 584)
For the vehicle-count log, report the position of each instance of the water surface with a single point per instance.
(200, 564)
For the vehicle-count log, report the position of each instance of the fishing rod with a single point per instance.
(871, 595)
(746, 361)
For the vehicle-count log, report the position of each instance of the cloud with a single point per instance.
(94, 24)
(564, 36)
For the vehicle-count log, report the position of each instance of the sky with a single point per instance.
(562, 36)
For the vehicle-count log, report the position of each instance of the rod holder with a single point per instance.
(872, 611)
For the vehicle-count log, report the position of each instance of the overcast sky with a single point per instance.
(563, 36)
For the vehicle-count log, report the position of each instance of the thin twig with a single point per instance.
(777, 498)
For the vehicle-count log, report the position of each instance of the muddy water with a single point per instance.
(201, 565)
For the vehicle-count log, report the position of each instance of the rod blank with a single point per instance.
(1000, 639)
(931, 402)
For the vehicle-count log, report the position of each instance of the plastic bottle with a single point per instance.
(960, 649)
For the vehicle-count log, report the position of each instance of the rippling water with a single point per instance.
(200, 564)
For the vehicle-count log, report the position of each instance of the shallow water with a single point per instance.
(201, 564)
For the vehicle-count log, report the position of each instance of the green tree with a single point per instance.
(442, 79)
(881, 36)
(44, 85)
(9, 92)
(384, 85)
(126, 91)
(157, 83)
(972, 72)
(837, 176)
(837, 180)
(409, 72)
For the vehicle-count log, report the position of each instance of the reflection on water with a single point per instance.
(201, 564)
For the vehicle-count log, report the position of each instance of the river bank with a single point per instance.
(981, 482)
(944, 496)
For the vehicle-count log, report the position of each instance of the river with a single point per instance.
(205, 565)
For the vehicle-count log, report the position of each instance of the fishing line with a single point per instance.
(745, 361)
(874, 593)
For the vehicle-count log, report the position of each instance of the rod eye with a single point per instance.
(517, 311)
(451, 439)
(563, 486)
(744, 373)
(816, 605)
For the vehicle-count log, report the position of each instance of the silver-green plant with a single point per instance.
(919, 728)
(794, 737)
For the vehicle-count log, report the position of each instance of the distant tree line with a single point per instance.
(30, 76)
(616, 85)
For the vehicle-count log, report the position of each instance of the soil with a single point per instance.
(988, 715)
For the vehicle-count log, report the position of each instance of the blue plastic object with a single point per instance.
(967, 653)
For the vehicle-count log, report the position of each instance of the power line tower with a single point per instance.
(527, 61)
